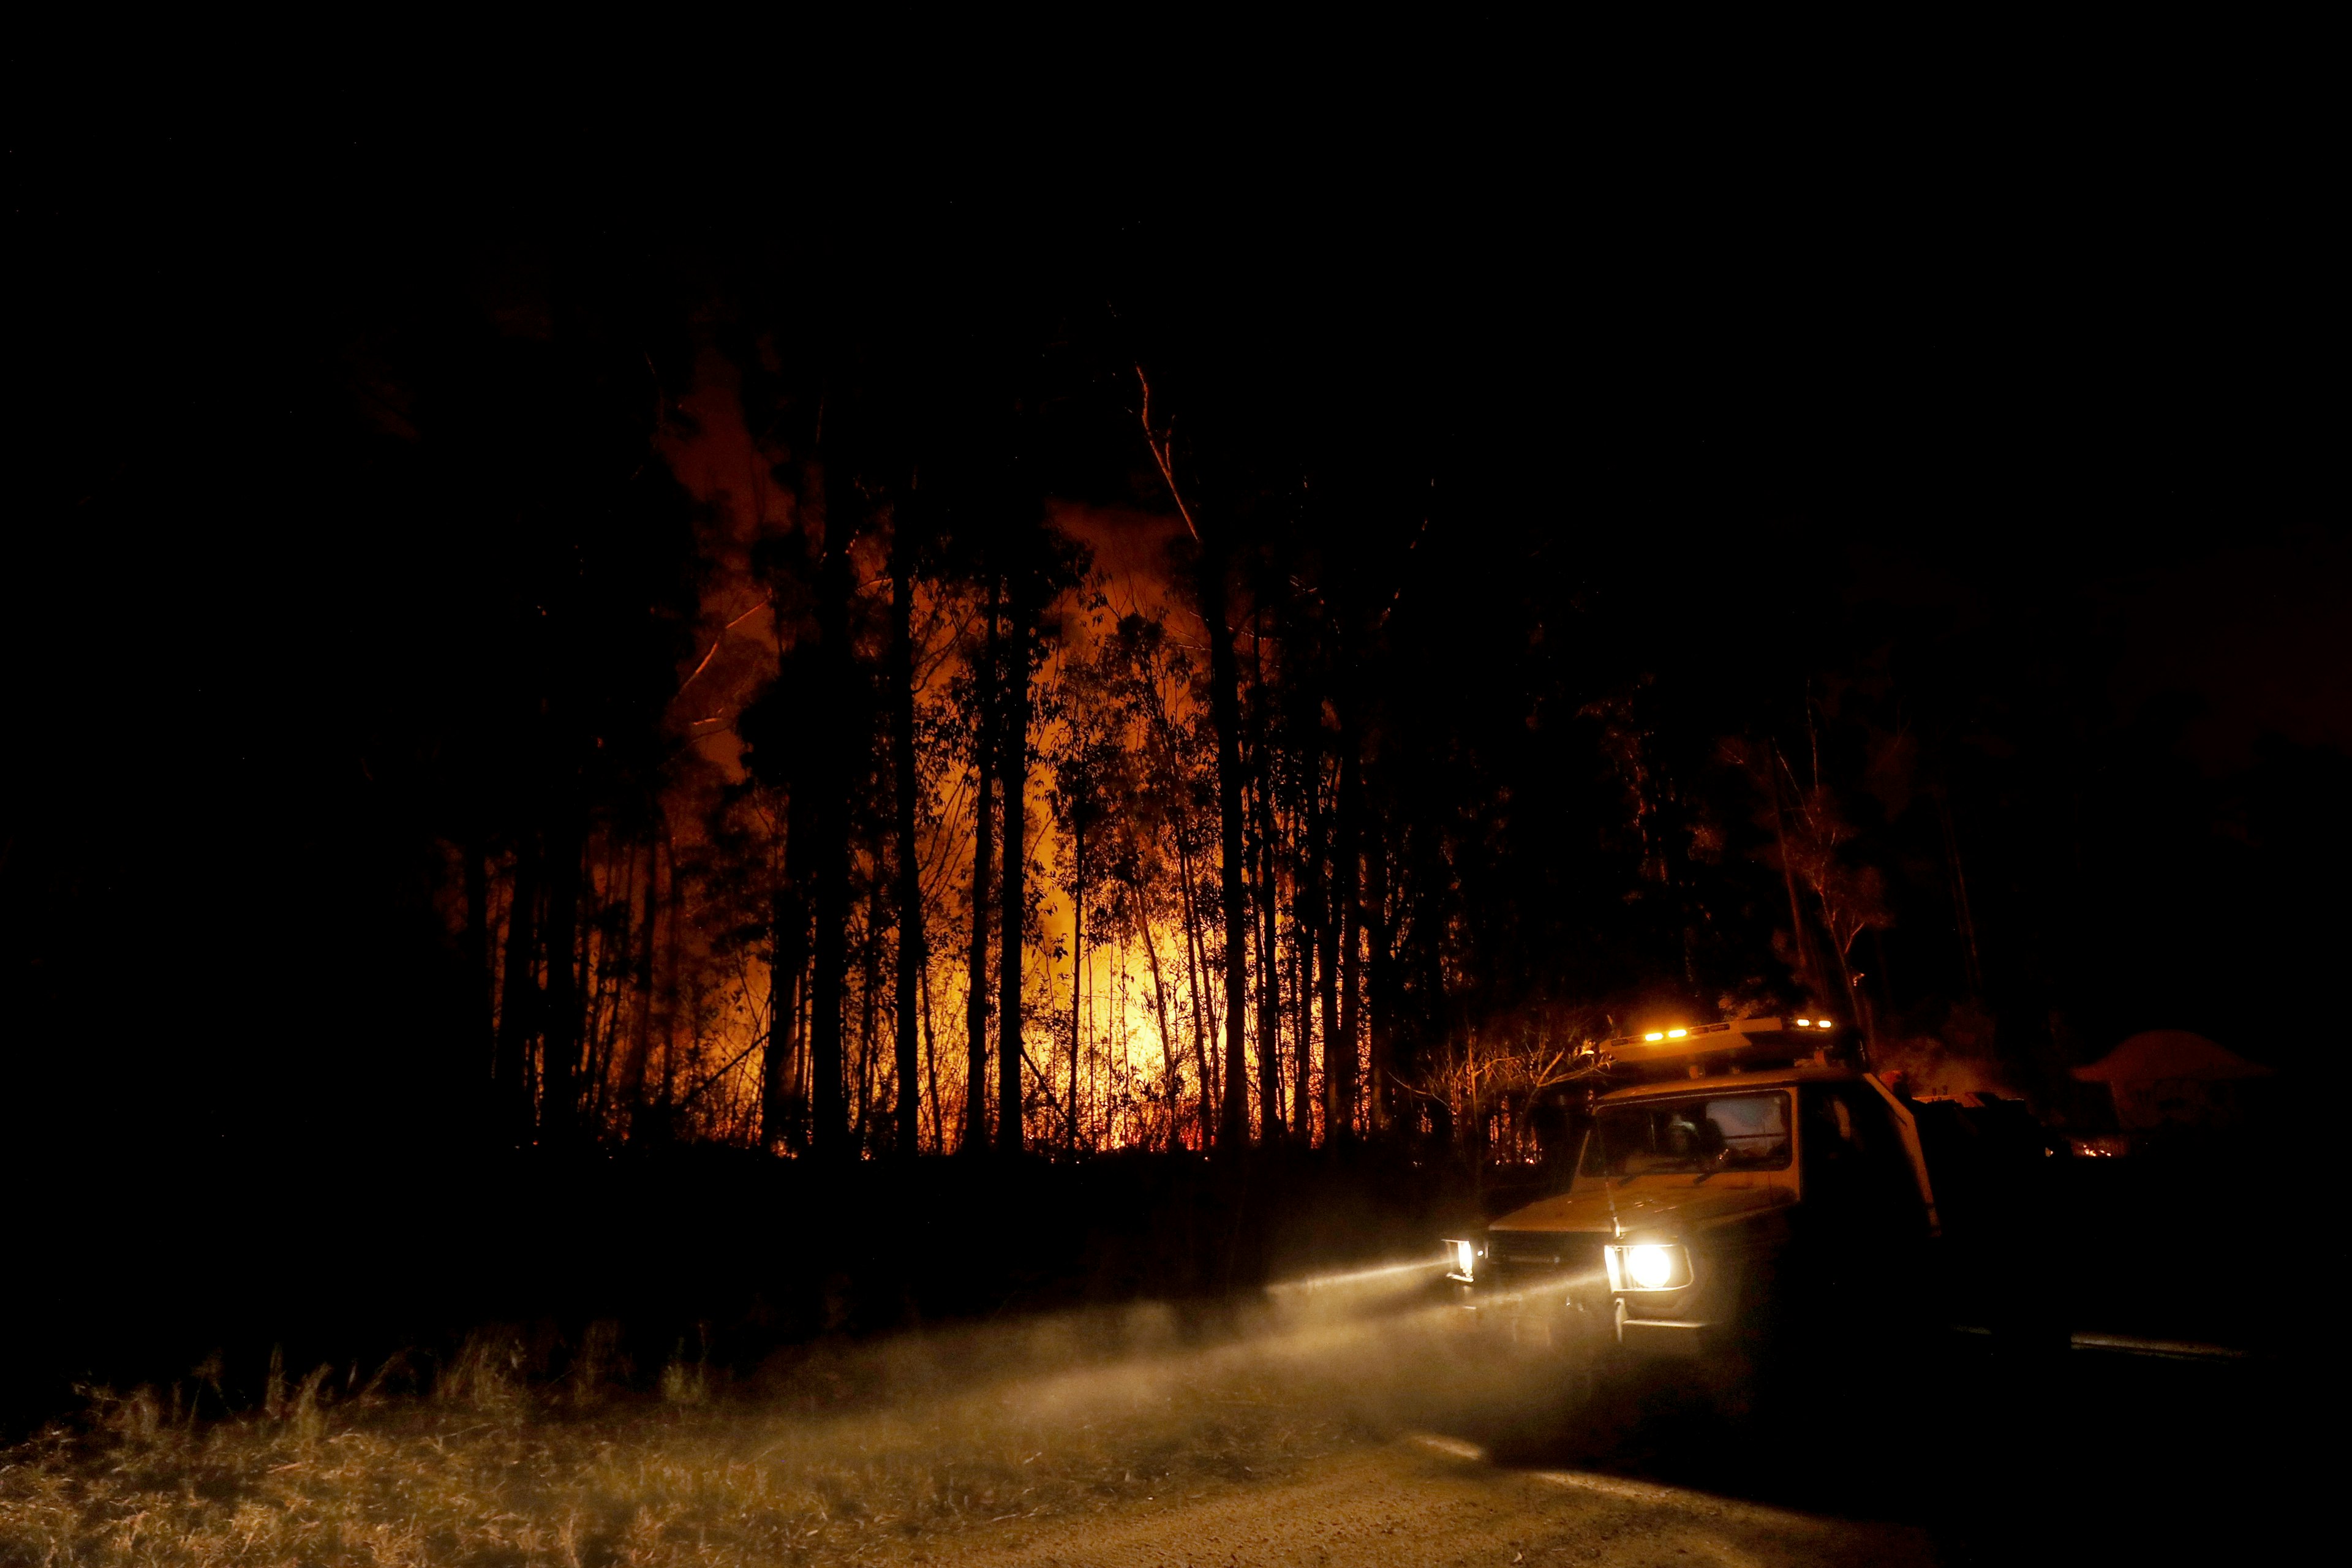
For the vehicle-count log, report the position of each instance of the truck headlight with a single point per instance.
(1464, 1257)
(1648, 1266)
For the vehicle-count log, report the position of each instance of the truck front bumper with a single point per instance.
(1539, 1322)
(1661, 1336)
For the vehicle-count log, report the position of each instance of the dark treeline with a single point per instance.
(1136, 689)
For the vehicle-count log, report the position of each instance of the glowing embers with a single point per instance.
(1648, 1266)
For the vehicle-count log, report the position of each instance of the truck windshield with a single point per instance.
(1727, 1133)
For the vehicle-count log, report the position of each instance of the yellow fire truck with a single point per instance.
(1749, 1184)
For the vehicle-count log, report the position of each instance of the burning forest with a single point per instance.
(831, 867)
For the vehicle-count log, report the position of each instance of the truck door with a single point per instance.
(1857, 1175)
(1865, 1227)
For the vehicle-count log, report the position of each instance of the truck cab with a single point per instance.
(1752, 1183)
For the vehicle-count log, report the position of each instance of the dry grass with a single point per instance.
(887, 1453)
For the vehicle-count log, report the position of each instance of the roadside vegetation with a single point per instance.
(895, 1451)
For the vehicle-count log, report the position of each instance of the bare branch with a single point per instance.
(1163, 455)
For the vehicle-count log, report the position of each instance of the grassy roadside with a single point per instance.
(888, 1452)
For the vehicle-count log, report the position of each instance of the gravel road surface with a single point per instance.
(1425, 1502)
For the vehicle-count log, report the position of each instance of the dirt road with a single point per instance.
(2126, 1451)
(1425, 1502)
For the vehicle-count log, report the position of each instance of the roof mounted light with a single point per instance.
(1654, 1034)
(1804, 1023)
(1676, 1034)
(1822, 1024)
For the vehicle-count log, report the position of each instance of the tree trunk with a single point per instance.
(1159, 995)
(1340, 1050)
(1306, 906)
(641, 982)
(1326, 953)
(837, 739)
(611, 979)
(477, 949)
(1302, 1016)
(782, 1101)
(1807, 964)
(975, 1104)
(1195, 967)
(1263, 930)
(667, 1097)
(1196, 979)
(931, 1061)
(1078, 946)
(1224, 714)
(560, 1034)
(519, 1011)
(1431, 876)
(641, 1038)
(1012, 749)
(904, 785)
(869, 997)
(1379, 988)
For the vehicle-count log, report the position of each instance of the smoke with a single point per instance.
(1958, 1058)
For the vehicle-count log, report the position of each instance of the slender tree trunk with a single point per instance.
(1078, 948)
(1302, 951)
(1307, 901)
(869, 999)
(667, 1096)
(1013, 743)
(1432, 874)
(1339, 1051)
(611, 980)
(931, 1061)
(1195, 964)
(782, 1109)
(477, 949)
(911, 955)
(1808, 962)
(1379, 987)
(560, 1038)
(519, 1011)
(797, 1074)
(1269, 983)
(641, 986)
(975, 1105)
(1326, 955)
(1963, 919)
(1853, 998)
(695, 992)
(1225, 715)
(841, 737)
(1160, 996)
(1196, 979)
